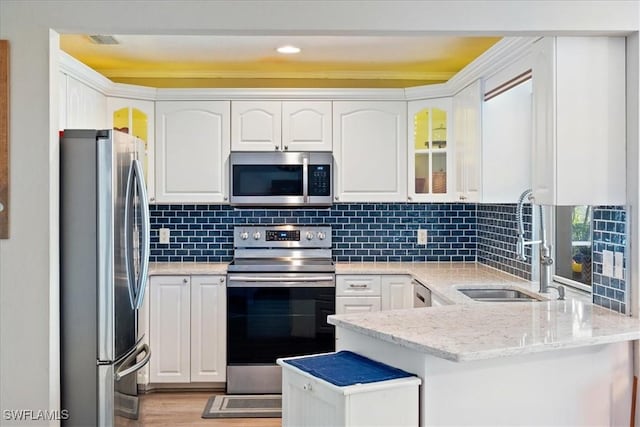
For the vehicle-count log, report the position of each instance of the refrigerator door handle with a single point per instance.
(121, 373)
(128, 235)
(137, 286)
(146, 234)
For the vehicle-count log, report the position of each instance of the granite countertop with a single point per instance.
(187, 268)
(469, 330)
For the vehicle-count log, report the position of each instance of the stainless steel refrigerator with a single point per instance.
(104, 258)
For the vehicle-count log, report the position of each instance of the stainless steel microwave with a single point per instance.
(281, 178)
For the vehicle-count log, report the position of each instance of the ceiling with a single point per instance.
(252, 61)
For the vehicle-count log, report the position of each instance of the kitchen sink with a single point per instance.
(499, 295)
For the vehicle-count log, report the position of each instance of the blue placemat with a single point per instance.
(347, 368)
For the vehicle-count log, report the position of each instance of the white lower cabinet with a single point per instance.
(187, 329)
(396, 292)
(359, 293)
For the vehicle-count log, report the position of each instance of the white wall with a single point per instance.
(28, 260)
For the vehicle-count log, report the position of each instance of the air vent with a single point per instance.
(103, 39)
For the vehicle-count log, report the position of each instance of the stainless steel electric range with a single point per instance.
(280, 290)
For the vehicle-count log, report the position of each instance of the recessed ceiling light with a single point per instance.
(288, 49)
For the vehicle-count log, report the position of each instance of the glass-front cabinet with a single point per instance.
(136, 117)
(430, 160)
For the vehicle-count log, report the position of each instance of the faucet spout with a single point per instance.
(546, 261)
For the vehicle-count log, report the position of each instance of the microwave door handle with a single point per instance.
(305, 179)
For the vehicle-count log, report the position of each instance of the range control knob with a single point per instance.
(309, 235)
(256, 235)
(321, 235)
(244, 235)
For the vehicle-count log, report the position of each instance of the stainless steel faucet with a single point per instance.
(546, 276)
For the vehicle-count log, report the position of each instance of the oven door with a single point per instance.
(271, 316)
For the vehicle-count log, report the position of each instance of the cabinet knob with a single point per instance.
(276, 148)
(336, 198)
(225, 198)
(409, 198)
(184, 280)
(463, 197)
(222, 280)
(307, 387)
(152, 199)
(286, 147)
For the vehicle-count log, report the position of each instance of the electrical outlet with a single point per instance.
(607, 263)
(618, 265)
(164, 235)
(422, 237)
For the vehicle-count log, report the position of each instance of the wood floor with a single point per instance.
(183, 409)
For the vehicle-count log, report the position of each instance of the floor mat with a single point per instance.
(244, 406)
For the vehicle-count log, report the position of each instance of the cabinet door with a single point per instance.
(397, 292)
(430, 161)
(579, 121)
(208, 328)
(543, 174)
(467, 119)
(306, 126)
(86, 107)
(137, 117)
(192, 150)
(370, 151)
(346, 305)
(506, 147)
(169, 329)
(256, 125)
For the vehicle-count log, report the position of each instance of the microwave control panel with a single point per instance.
(319, 180)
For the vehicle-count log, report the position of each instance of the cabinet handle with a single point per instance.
(463, 197)
(286, 147)
(152, 199)
(276, 148)
(185, 281)
(307, 387)
(356, 286)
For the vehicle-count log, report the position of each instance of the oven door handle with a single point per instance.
(280, 279)
(280, 282)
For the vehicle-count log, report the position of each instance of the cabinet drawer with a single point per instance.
(348, 305)
(358, 285)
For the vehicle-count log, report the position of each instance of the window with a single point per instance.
(573, 246)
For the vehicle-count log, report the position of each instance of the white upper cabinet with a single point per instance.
(430, 162)
(86, 108)
(579, 121)
(506, 144)
(281, 126)
(137, 117)
(467, 125)
(369, 149)
(256, 125)
(192, 150)
(306, 126)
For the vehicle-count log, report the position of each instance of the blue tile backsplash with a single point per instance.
(497, 225)
(361, 231)
(386, 232)
(609, 233)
